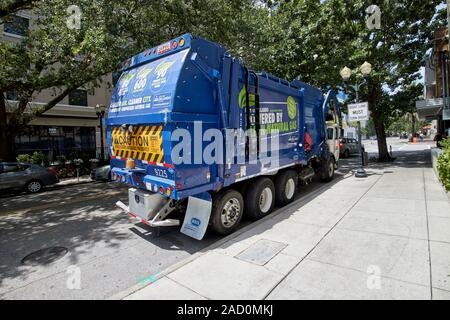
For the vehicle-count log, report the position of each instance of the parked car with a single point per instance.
(348, 146)
(101, 173)
(25, 176)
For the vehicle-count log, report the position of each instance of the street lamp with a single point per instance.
(346, 73)
(100, 110)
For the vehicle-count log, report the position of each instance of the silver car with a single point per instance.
(348, 146)
(101, 173)
(25, 176)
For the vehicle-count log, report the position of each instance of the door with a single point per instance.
(333, 141)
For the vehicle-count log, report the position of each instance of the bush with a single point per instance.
(443, 164)
(25, 158)
(39, 158)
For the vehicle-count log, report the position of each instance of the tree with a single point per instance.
(318, 38)
(60, 54)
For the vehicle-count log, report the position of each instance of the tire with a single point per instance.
(260, 198)
(286, 187)
(346, 153)
(227, 212)
(33, 186)
(327, 170)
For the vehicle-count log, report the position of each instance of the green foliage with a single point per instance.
(316, 39)
(37, 157)
(443, 164)
(55, 58)
(24, 158)
(310, 39)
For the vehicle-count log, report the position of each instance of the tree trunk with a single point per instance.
(7, 137)
(374, 95)
(383, 153)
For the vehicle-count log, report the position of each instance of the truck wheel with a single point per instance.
(260, 198)
(227, 210)
(327, 170)
(286, 187)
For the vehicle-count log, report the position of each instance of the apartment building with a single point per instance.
(436, 103)
(72, 126)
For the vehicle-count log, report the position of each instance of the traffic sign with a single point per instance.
(358, 111)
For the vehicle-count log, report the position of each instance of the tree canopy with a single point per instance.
(307, 39)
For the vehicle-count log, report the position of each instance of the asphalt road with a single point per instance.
(109, 253)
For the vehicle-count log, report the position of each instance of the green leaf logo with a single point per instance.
(162, 68)
(144, 72)
(242, 98)
(292, 107)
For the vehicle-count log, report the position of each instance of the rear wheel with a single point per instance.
(227, 210)
(286, 187)
(34, 186)
(327, 170)
(346, 153)
(260, 198)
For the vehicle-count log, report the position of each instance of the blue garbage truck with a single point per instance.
(191, 129)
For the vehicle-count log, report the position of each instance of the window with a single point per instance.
(78, 97)
(330, 133)
(12, 95)
(17, 25)
(14, 167)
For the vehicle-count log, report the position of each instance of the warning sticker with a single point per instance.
(144, 143)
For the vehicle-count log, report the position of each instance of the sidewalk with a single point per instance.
(72, 181)
(384, 237)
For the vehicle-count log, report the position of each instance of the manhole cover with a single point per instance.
(261, 252)
(44, 256)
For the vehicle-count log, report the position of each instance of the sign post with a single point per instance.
(359, 112)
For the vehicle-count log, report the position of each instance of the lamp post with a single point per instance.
(346, 74)
(100, 110)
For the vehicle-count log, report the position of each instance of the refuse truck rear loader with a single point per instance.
(190, 128)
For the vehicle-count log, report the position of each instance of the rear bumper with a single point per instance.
(139, 179)
(49, 180)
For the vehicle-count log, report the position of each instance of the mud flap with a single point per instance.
(197, 216)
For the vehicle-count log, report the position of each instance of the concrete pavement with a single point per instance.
(109, 253)
(383, 237)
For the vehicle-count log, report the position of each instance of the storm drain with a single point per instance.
(261, 252)
(44, 256)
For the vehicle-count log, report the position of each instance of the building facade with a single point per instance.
(70, 128)
(436, 103)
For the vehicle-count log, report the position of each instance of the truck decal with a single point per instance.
(144, 143)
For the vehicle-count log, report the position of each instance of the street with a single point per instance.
(112, 253)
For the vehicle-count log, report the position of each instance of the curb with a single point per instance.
(127, 292)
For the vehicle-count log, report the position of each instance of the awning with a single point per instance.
(429, 109)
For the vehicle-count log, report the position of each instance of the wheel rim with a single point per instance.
(331, 169)
(34, 186)
(230, 213)
(265, 200)
(289, 189)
